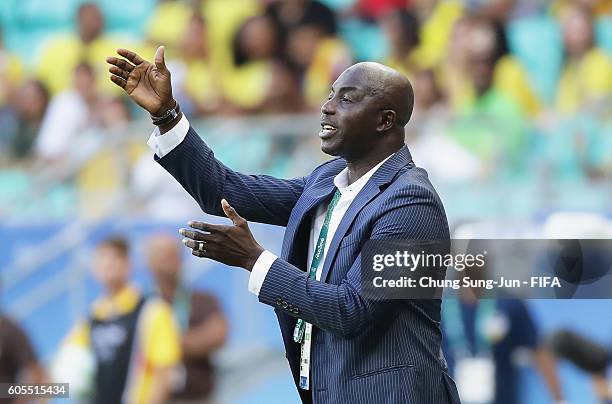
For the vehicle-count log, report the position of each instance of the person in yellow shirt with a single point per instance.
(192, 72)
(438, 19)
(245, 84)
(89, 45)
(585, 80)
(401, 28)
(510, 78)
(134, 340)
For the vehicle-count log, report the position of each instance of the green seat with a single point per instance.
(603, 31)
(127, 16)
(338, 4)
(367, 41)
(37, 14)
(536, 41)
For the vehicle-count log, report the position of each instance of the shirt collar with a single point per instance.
(341, 180)
(121, 303)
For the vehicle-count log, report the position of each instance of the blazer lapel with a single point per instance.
(313, 197)
(385, 174)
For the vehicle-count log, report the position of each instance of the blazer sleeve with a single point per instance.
(258, 198)
(342, 309)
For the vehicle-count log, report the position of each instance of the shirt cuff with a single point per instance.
(260, 270)
(163, 144)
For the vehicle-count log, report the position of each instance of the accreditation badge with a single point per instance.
(475, 378)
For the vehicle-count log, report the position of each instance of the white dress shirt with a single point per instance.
(163, 144)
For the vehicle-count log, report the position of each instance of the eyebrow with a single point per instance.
(345, 89)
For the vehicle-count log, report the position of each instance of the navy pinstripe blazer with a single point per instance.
(363, 351)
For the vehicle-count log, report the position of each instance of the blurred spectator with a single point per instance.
(68, 115)
(88, 45)
(169, 22)
(586, 80)
(21, 121)
(106, 157)
(202, 323)
(319, 56)
(12, 73)
(438, 17)
(485, 342)
(157, 195)
(596, 7)
(489, 122)
(401, 28)
(426, 136)
(507, 76)
(193, 79)
(289, 14)
(255, 45)
(587, 355)
(18, 362)
(134, 340)
(284, 94)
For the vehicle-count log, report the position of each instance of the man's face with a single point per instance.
(111, 268)
(349, 117)
(90, 22)
(165, 260)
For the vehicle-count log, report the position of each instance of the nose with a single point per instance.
(327, 107)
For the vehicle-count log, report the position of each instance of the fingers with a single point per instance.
(120, 63)
(159, 58)
(232, 214)
(121, 82)
(119, 72)
(211, 228)
(195, 245)
(131, 56)
(196, 235)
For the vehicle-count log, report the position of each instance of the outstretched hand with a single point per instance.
(148, 84)
(231, 245)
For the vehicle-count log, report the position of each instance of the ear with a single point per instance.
(386, 120)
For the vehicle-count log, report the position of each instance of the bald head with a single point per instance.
(164, 255)
(392, 88)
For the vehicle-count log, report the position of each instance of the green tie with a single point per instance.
(298, 331)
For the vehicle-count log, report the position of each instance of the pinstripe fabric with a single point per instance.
(363, 351)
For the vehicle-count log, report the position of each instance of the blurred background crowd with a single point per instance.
(512, 120)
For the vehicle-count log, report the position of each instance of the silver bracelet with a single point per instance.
(168, 116)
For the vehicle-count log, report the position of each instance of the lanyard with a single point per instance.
(456, 327)
(181, 306)
(302, 332)
(298, 331)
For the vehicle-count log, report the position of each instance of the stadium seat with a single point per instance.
(338, 4)
(604, 33)
(129, 17)
(57, 14)
(536, 41)
(366, 40)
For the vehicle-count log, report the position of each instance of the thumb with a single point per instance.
(231, 213)
(159, 58)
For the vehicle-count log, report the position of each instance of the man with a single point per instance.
(134, 340)
(203, 326)
(493, 332)
(18, 361)
(63, 52)
(362, 350)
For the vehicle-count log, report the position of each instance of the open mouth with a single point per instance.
(327, 131)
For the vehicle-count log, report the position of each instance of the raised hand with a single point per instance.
(232, 245)
(148, 84)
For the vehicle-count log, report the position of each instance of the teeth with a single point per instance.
(328, 127)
